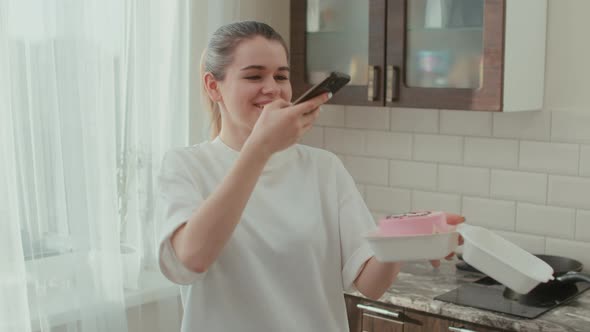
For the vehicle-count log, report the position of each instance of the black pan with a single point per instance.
(565, 269)
(566, 272)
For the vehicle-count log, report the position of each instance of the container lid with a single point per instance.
(500, 252)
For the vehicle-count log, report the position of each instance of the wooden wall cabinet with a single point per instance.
(371, 316)
(483, 55)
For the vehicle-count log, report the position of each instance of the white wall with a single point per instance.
(526, 175)
(568, 65)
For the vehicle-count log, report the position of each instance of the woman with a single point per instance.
(264, 234)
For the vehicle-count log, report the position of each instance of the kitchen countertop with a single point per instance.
(419, 283)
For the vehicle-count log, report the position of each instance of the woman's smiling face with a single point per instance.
(258, 75)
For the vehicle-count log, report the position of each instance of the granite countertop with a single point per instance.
(419, 283)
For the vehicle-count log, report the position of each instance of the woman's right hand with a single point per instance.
(281, 124)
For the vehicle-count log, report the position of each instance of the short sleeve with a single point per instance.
(178, 197)
(355, 219)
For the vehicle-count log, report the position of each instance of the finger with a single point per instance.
(454, 219)
(311, 104)
(309, 118)
(435, 263)
(305, 128)
(277, 104)
(450, 256)
(307, 121)
(313, 112)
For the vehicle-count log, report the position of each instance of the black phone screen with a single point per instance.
(334, 82)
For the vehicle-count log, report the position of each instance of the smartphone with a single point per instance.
(334, 82)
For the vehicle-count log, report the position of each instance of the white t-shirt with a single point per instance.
(297, 247)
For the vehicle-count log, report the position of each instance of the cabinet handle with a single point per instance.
(392, 83)
(372, 84)
(381, 318)
(378, 310)
(459, 329)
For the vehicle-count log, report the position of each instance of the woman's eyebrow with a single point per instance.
(260, 67)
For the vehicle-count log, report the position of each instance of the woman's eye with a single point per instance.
(258, 77)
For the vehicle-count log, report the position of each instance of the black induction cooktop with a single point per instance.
(488, 294)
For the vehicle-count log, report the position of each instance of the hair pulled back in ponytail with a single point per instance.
(219, 55)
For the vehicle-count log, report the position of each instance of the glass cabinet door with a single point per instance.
(445, 54)
(336, 34)
(402, 53)
(339, 35)
(444, 43)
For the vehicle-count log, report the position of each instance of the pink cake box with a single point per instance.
(414, 223)
(413, 236)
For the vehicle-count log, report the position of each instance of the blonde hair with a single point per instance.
(219, 55)
(210, 106)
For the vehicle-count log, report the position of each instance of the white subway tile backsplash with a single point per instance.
(521, 186)
(464, 180)
(314, 137)
(466, 123)
(361, 188)
(348, 141)
(569, 191)
(331, 116)
(491, 152)
(388, 144)
(447, 149)
(531, 243)
(411, 174)
(583, 225)
(585, 160)
(388, 200)
(431, 201)
(489, 213)
(341, 157)
(377, 215)
(368, 170)
(524, 125)
(414, 120)
(366, 117)
(571, 249)
(548, 157)
(529, 181)
(570, 126)
(545, 220)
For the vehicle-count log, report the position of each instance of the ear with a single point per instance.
(212, 87)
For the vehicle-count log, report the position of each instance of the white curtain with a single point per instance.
(92, 92)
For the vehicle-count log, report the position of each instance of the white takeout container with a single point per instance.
(502, 260)
(488, 252)
(412, 247)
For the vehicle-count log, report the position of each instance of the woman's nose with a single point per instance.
(271, 87)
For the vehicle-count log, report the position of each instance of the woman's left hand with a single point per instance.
(452, 219)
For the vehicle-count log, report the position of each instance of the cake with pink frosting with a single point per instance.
(414, 223)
